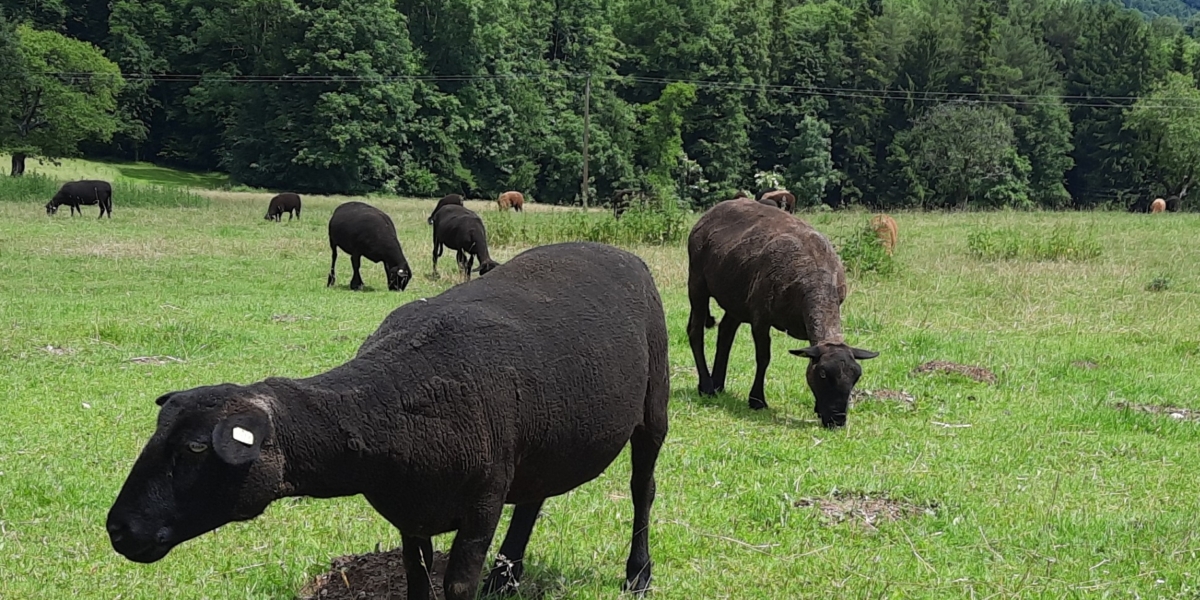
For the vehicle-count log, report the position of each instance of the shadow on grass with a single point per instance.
(738, 406)
(147, 173)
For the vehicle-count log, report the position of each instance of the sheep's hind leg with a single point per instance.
(645, 445)
(762, 359)
(469, 550)
(332, 270)
(697, 321)
(418, 563)
(510, 565)
(726, 332)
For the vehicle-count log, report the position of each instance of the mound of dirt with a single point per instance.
(943, 366)
(375, 575)
(860, 396)
(1175, 412)
(864, 508)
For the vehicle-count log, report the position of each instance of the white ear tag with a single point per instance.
(243, 436)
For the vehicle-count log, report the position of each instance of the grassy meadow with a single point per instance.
(1034, 486)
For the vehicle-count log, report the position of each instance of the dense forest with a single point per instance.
(896, 103)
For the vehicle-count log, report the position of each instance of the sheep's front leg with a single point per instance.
(418, 562)
(510, 565)
(470, 547)
(762, 359)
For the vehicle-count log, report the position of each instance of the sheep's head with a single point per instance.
(486, 266)
(212, 460)
(832, 372)
(51, 208)
(398, 277)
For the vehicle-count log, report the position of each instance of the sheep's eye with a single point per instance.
(197, 447)
(822, 373)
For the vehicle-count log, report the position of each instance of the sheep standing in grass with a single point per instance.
(361, 230)
(771, 272)
(448, 199)
(885, 228)
(286, 202)
(783, 198)
(433, 422)
(513, 200)
(461, 229)
(87, 193)
(1158, 205)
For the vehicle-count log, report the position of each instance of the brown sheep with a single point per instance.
(785, 199)
(885, 228)
(513, 200)
(771, 272)
(1158, 205)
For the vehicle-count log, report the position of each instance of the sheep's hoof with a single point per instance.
(757, 403)
(707, 390)
(504, 578)
(639, 584)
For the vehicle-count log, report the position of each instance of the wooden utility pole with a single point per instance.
(587, 107)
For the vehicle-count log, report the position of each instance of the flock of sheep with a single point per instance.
(438, 428)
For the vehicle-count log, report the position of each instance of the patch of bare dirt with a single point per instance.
(1175, 412)
(373, 575)
(944, 366)
(1084, 364)
(864, 508)
(860, 396)
(155, 360)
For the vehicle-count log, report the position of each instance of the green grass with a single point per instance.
(638, 225)
(1060, 242)
(1049, 493)
(39, 188)
(120, 171)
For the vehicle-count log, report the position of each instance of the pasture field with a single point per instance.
(1034, 486)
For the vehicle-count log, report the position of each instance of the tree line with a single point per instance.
(903, 103)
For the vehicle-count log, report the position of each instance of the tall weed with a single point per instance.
(862, 251)
(641, 224)
(1058, 243)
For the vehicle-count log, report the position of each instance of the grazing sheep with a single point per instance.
(784, 199)
(885, 228)
(771, 272)
(1158, 205)
(446, 200)
(286, 202)
(88, 192)
(624, 198)
(765, 201)
(433, 422)
(461, 229)
(513, 200)
(361, 230)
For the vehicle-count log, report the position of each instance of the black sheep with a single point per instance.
(447, 200)
(461, 229)
(433, 422)
(88, 192)
(286, 202)
(771, 272)
(361, 230)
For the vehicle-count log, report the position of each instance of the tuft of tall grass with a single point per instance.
(862, 251)
(640, 225)
(39, 188)
(1058, 243)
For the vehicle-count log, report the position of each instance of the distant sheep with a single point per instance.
(361, 230)
(771, 272)
(454, 199)
(286, 202)
(624, 198)
(1158, 205)
(513, 200)
(88, 192)
(784, 199)
(885, 228)
(458, 404)
(772, 202)
(461, 229)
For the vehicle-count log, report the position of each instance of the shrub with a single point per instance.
(1059, 243)
(862, 251)
(657, 223)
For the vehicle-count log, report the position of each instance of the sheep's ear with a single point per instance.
(238, 438)
(161, 400)
(861, 354)
(809, 352)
